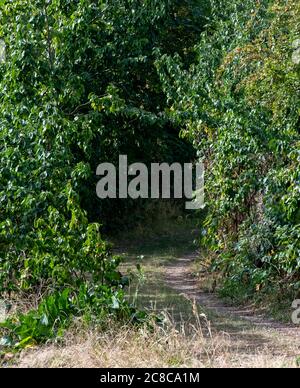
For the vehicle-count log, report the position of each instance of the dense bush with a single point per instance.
(239, 104)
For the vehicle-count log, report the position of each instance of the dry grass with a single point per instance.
(178, 346)
(168, 346)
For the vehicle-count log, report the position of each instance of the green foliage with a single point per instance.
(85, 81)
(55, 313)
(78, 87)
(80, 84)
(239, 104)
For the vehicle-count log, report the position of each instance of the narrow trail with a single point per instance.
(239, 337)
(244, 336)
(250, 332)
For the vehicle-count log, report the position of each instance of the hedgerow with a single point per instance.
(239, 105)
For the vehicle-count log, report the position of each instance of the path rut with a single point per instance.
(250, 331)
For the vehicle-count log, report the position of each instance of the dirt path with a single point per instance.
(240, 337)
(251, 335)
